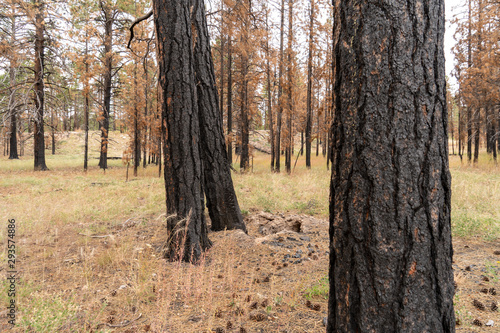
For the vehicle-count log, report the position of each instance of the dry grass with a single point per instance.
(72, 282)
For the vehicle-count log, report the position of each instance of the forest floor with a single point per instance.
(89, 260)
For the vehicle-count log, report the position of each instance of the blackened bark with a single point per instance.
(108, 63)
(13, 98)
(137, 141)
(188, 232)
(469, 65)
(270, 120)
(87, 104)
(146, 121)
(289, 139)
(477, 132)
(277, 164)
(38, 130)
(309, 89)
(244, 98)
(13, 135)
(230, 102)
(390, 233)
(222, 203)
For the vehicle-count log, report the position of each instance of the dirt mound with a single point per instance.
(268, 224)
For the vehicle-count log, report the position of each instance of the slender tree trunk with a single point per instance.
(469, 65)
(244, 98)
(390, 231)
(289, 139)
(270, 120)
(108, 63)
(222, 50)
(52, 132)
(477, 133)
(277, 165)
(230, 101)
(222, 203)
(13, 111)
(38, 130)
(460, 130)
(137, 140)
(188, 232)
(309, 88)
(146, 142)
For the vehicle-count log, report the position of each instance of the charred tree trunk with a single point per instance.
(390, 232)
(13, 116)
(38, 130)
(230, 102)
(222, 203)
(469, 65)
(87, 104)
(289, 139)
(270, 120)
(146, 121)
(244, 98)
(277, 150)
(188, 232)
(108, 63)
(309, 89)
(477, 133)
(137, 140)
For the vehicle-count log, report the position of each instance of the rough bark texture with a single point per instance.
(244, 98)
(38, 132)
(270, 121)
(13, 117)
(390, 234)
(222, 203)
(277, 151)
(186, 223)
(309, 89)
(87, 105)
(230, 102)
(108, 63)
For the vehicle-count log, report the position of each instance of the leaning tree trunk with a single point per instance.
(390, 233)
(222, 203)
(188, 233)
(38, 132)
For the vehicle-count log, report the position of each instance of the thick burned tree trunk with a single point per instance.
(188, 234)
(222, 203)
(390, 233)
(108, 63)
(38, 132)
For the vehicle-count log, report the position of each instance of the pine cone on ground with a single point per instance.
(477, 322)
(478, 304)
(493, 291)
(494, 306)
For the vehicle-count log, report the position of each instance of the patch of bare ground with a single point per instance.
(272, 279)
